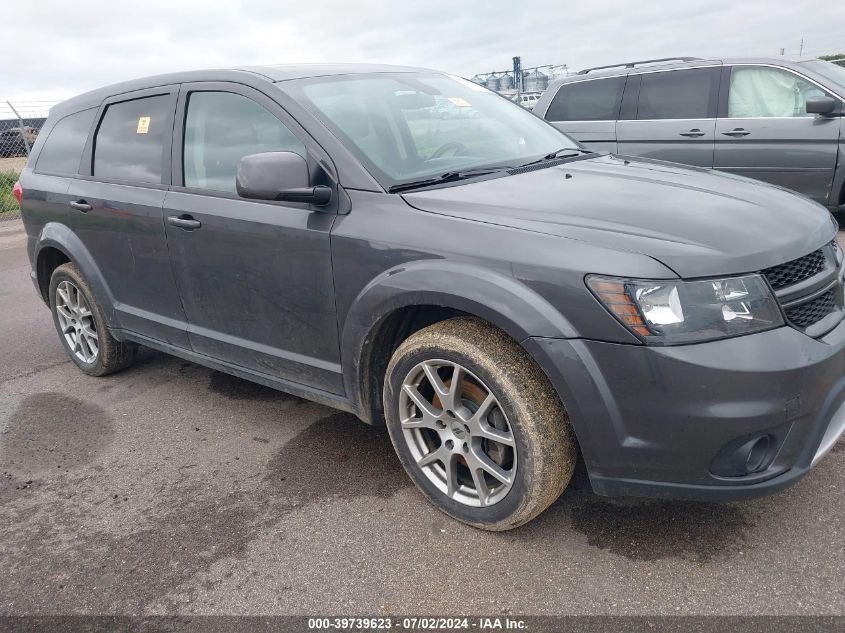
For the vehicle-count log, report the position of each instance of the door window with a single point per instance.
(677, 94)
(762, 92)
(593, 100)
(63, 148)
(223, 127)
(130, 141)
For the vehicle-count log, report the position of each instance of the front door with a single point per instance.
(255, 277)
(670, 115)
(764, 131)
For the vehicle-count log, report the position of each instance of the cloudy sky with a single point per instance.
(64, 47)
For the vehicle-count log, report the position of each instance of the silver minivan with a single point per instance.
(772, 119)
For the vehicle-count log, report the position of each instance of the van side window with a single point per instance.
(130, 140)
(223, 127)
(63, 148)
(591, 100)
(677, 94)
(760, 92)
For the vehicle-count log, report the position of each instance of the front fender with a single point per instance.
(59, 236)
(493, 295)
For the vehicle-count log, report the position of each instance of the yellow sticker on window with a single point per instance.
(143, 125)
(458, 101)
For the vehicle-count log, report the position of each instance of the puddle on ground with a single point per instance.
(337, 456)
(51, 432)
(654, 530)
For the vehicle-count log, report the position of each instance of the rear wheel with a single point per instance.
(477, 425)
(81, 326)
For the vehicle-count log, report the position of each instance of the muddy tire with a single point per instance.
(81, 326)
(477, 425)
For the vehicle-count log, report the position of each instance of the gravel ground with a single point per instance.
(173, 489)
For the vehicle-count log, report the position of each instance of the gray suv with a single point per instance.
(771, 119)
(503, 299)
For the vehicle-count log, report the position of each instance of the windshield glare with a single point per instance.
(406, 127)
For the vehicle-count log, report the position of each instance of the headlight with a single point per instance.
(668, 312)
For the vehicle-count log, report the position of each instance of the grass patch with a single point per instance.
(8, 204)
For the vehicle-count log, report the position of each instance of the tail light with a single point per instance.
(17, 191)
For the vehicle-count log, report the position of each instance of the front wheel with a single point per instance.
(477, 425)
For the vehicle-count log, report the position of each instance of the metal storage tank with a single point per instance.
(478, 79)
(536, 81)
(506, 82)
(493, 82)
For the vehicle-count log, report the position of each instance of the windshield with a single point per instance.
(827, 70)
(406, 127)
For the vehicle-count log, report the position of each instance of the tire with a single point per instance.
(81, 326)
(535, 449)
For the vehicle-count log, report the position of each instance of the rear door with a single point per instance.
(116, 210)
(255, 277)
(670, 115)
(587, 110)
(764, 130)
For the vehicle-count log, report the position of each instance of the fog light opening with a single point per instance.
(758, 454)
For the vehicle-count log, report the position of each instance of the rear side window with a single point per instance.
(130, 140)
(223, 127)
(677, 94)
(63, 148)
(593, 100)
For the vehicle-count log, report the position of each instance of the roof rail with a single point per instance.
(644, 61)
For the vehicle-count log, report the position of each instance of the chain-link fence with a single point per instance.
(20, 123)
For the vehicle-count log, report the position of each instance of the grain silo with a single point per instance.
(535, 81)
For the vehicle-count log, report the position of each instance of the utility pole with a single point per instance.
(801, 50)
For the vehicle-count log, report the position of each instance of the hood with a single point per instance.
(697, 222)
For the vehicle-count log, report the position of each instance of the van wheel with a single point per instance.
(477, 425)
(81, 326)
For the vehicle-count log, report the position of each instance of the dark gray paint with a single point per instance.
(291, 296)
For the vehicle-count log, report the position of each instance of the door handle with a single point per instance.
(693, 133)
(737, 132)
(80, 205)
(184, 222)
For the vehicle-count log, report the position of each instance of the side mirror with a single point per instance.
(821, 105)
(281, 176)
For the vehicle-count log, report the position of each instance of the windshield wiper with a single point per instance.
(558, 154)
(449, 176)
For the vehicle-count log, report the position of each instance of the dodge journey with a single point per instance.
(410, 247)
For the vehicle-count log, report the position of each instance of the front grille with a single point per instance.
(806, 314)
(795, 271)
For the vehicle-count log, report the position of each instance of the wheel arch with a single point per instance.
(410, 297)
(57, 244)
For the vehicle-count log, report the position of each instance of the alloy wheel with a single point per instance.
(76, 322)
(458, 433)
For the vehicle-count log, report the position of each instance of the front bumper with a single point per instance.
(651, 421)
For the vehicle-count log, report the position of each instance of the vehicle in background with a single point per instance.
(774, 120)
(14, 140)
(527, 99)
